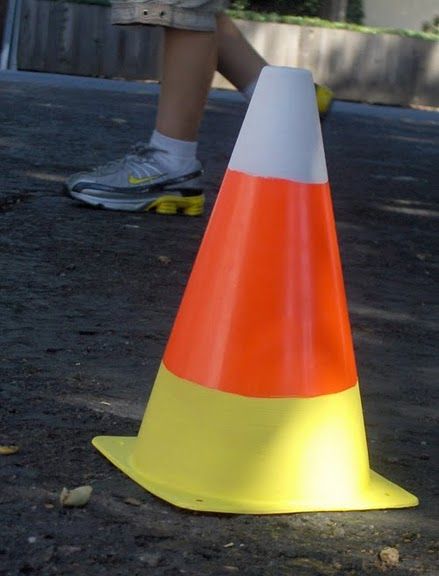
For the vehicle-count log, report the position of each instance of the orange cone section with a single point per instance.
(265, 308)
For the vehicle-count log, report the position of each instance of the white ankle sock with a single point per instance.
(173, 154)
(249, 89)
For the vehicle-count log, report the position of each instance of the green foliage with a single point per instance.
(355, 12)
(92, 2)
(283, 7)
(432, 27)
(431, 31)
(319, 23)
(309, 8)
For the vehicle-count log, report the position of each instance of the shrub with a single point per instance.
(309, 8)
(432, 26)
(299, 8)
(355, 13)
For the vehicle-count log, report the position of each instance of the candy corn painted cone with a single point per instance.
(256, 406)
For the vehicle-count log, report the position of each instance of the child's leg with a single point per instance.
(241, 64)
(238, 61)
(164, 175)
(190, 60)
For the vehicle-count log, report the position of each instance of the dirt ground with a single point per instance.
(87, 301)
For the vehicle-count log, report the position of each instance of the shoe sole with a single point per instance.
(165, 204)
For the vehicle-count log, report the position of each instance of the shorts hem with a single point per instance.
(162, 15)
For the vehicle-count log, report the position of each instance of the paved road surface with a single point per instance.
(87, 301)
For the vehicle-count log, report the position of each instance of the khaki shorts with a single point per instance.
(185, 14)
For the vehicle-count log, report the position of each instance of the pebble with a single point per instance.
(389, 556)
(151, 559)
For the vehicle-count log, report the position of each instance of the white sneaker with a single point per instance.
(138, 182)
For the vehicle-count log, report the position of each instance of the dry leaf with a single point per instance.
(75, 498)
(7, 450)
(132, 501)
(389, 556)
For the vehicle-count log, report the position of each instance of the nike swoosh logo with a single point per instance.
(146, 180)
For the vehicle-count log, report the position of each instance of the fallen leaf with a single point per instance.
(7, 450)
(75, 498)
(389, 556)
(132, 501)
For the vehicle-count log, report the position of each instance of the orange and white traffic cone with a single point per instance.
(256, 406)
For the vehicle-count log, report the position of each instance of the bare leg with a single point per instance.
(238, 61)
(190, 60)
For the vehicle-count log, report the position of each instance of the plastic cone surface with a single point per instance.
(256, 406)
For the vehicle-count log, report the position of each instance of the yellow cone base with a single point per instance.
(213, 451)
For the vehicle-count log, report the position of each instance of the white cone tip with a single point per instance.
(281, 135)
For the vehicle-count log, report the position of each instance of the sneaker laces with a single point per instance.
(140, 152)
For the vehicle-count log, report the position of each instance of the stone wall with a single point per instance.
(383, 68)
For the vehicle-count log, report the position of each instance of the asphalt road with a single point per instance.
(87, 301)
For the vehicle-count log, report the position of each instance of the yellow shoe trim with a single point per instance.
(146, 180)
(203, 449)
(325, 96)
(169, 204)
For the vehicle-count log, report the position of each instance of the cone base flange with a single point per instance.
(380, 494)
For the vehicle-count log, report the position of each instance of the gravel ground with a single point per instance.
(87, 301)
